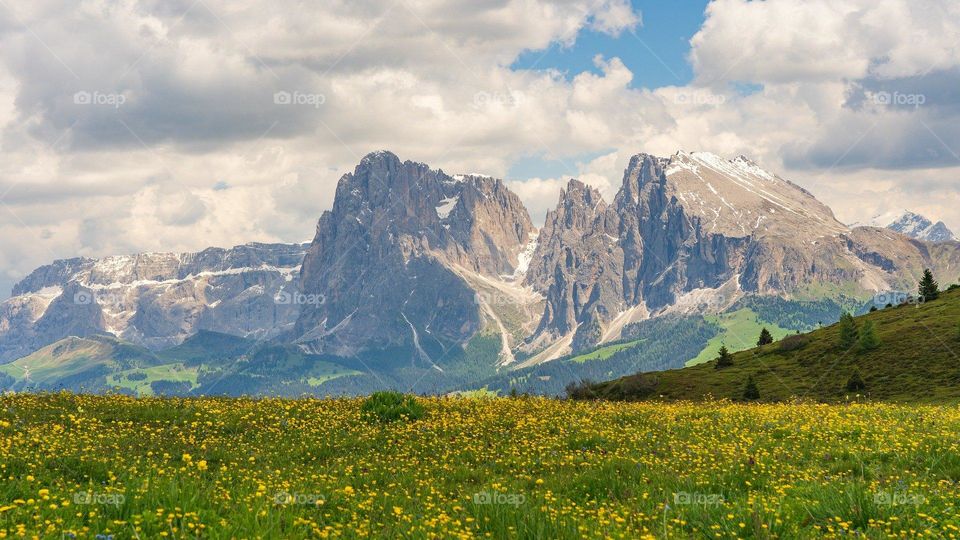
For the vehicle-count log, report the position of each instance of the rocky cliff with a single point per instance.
(390, 259)
(411, 264)
(155, 299)
(696, 225)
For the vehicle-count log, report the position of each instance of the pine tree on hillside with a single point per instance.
(724, 359)
(929, 289)
(765, 338)
(855, 383)
(868, 337)
(751, 392)
(848, 331)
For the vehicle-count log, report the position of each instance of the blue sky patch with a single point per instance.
(655, 52)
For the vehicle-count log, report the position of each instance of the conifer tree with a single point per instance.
(724, 359)
(855, 383)
(765, 338)
(751, 392)
(848, 331)
(929, 288)
(868, 337)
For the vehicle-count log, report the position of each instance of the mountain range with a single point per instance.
(435, 282)
(915, 226)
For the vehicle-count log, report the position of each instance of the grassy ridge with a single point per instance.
(501, 468)
(738, 331)
(604, 352)
(918, 361)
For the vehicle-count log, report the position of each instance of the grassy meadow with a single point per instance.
(119, 467)
(916, 360)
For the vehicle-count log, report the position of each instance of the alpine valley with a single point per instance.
(434, 283)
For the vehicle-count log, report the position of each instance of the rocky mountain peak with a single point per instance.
(576, 266)
(737, 197)
(412, 263)
(155, 299)
(916, 226)
(386, 256)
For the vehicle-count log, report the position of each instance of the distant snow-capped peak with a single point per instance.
(914, 225)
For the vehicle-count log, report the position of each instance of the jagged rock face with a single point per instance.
(155, 299)
(578, 264)
(695, 221)
(920, 228)
(414, 262)
(382, 258)
(898, 260)
(667, 247)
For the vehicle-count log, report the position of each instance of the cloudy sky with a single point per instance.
(172, 125)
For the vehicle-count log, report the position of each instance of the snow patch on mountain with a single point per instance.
(446, 206)
(914, 225)
(732, 196)
(525, 256)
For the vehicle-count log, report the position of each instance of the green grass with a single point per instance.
(76, 357)
(217, 468)
(480, 393)
(208, 348)
(848, 294)
(740, 330)
(918, 361)
(176, 372)
(604, 352)
(333, 372)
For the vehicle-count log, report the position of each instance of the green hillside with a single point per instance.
(76, 362)
(918, 360)
(604, 352)
(206, 347)
(738, 331)
(206, 363)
